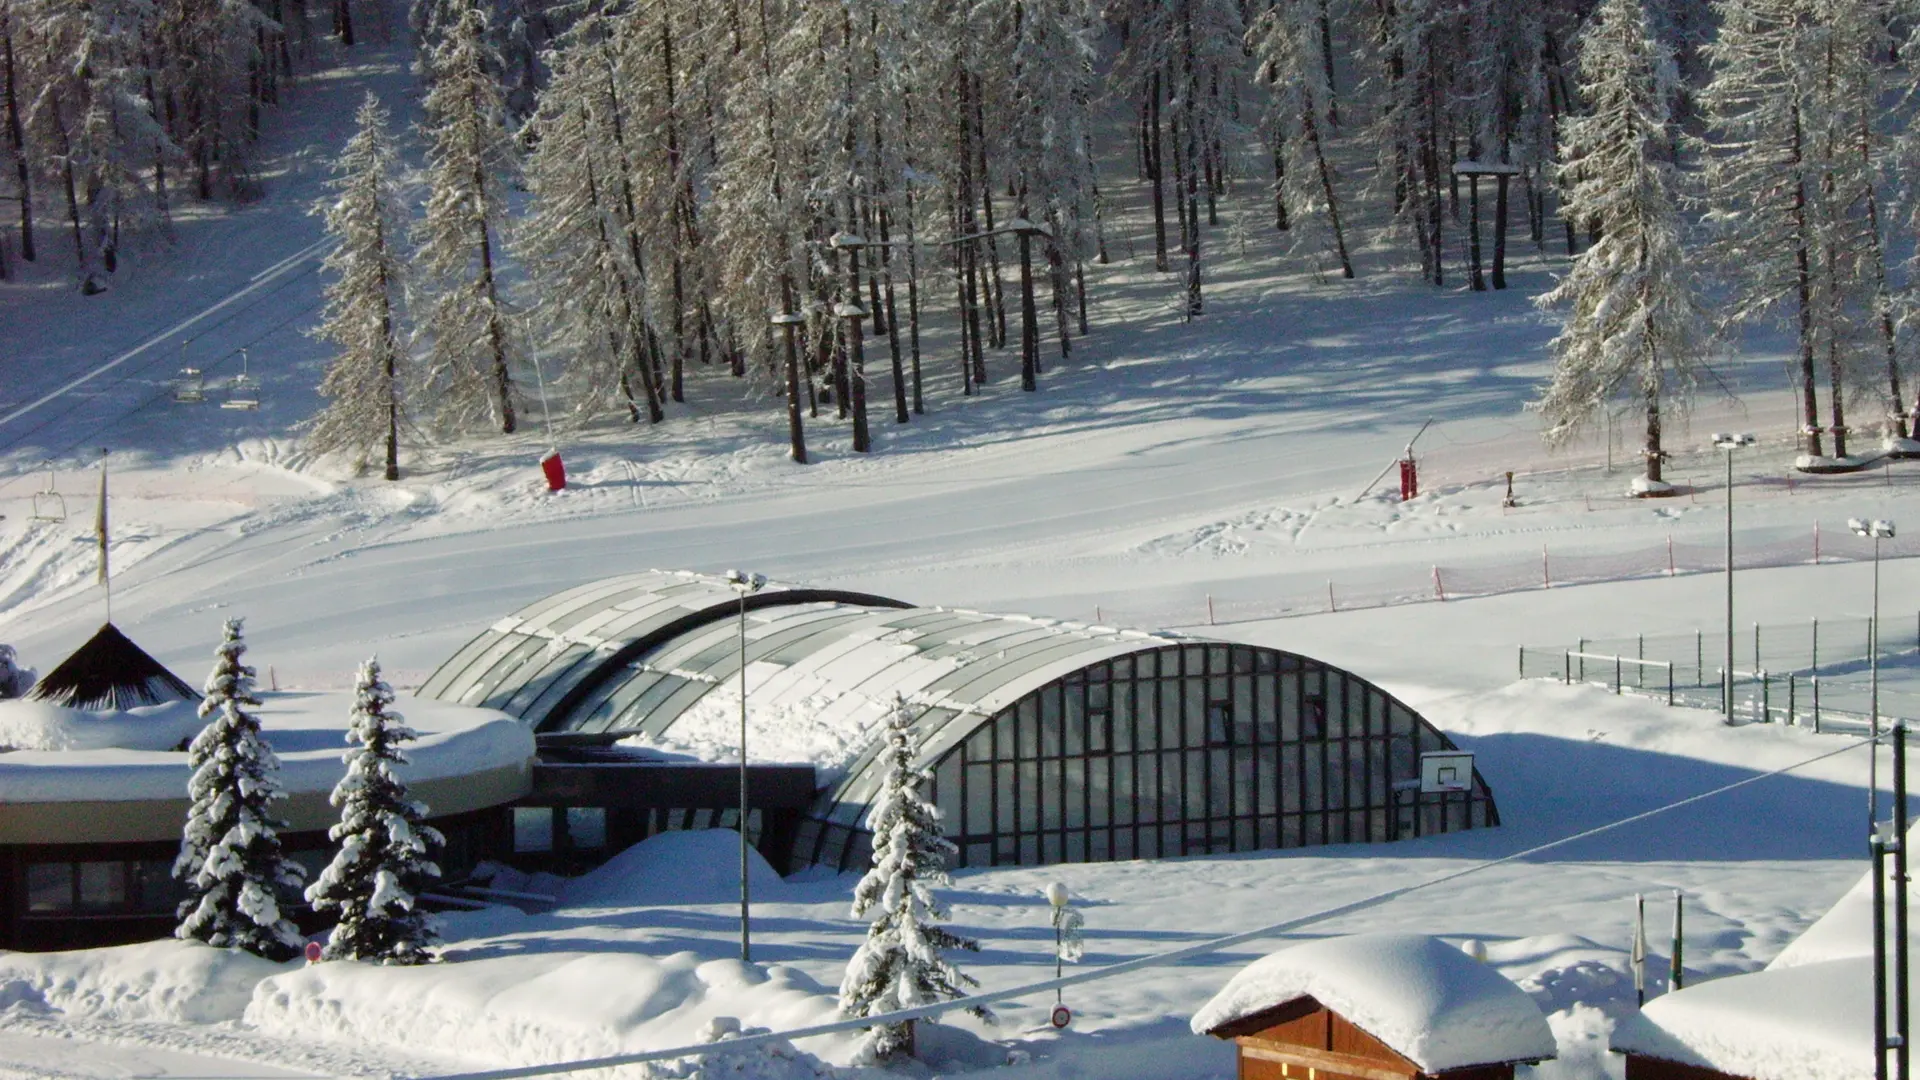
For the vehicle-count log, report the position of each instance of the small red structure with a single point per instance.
(555, 470)
(1409, 479)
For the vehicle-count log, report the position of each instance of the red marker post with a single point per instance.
(313, 952)
(555, 470)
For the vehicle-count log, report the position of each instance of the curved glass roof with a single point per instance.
(656, 658)
(535, 663)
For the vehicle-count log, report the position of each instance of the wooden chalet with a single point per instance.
(1305, 1040)
(1376, 1007)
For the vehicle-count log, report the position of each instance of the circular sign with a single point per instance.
(313, 952)
(1062, 1016)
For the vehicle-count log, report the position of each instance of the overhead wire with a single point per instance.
(1124, 967)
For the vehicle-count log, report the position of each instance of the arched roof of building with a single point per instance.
(655, 657)
(538, 662)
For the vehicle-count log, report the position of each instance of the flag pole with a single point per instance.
(100, 535)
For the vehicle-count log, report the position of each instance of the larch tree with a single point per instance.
(902, 962)
(366, 383)
(385, 858)
(1286, 41)
(469, 344)
(1633, 325)
(235, 876)
(1782, 189)
(588, 301)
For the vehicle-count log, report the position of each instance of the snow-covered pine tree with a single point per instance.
(469, 346)
(1781, 187)
(230, 862)
(1286, 41)
(901, 964)
(366, 384)
(1633, 324)
(386, 847)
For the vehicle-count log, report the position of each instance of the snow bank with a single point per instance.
(128, 761)
(1811, 1022)
(544, 1007)
(40, 725)
(700, 866)
(177, 982)
(1421, 996)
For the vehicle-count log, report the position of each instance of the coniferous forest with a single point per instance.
(659, 196)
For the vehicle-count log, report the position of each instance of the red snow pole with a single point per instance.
(1409, 478)
(555, 470)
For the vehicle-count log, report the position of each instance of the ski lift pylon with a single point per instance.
(243, 392)
(50, 505)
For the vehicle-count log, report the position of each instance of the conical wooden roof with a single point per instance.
(111, 672)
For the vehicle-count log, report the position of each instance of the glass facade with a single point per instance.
(1186, 750)
(1049, 741)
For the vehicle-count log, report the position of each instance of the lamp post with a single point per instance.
(746, 585)
(1729, 443)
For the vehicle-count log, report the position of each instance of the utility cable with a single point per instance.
(1127, 966)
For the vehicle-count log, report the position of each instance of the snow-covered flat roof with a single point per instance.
(1427, 1000)
(1811, 1022)
(123, 765)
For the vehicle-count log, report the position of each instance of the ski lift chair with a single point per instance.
(243, 392)
(190, 386)
(50, 505)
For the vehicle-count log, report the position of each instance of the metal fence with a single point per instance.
(1813, 674)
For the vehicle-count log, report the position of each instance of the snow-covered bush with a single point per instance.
(15, 680)
(901, 964)
(230, 862)
(385, 856)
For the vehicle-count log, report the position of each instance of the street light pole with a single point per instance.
(745, 584)
(1729, 443)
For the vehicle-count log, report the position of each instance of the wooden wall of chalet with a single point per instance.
(1285, 1042)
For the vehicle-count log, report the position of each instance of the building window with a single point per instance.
(532, 828)
(586, 828)
(101, 887)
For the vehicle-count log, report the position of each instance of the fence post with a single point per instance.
(1583, 660)
(1546, 573)
(1816, 703)
(1816, 543)
(1331, 606)
(1566, 668)
(1210, 609)
(1616, 675)
(1439, 590)
(1766, 697)
(1671, 570)
(1640, 653)
(1792, 692)
(1699, 659)
(1523, 661)
(1726, 691)
(1669, 686)
(1816, 644)
(1757, 665)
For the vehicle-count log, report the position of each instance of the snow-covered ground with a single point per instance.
(1163, 465)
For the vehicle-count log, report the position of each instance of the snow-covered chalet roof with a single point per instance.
(1428, 1001)
(123, 767)
(1811, 1022)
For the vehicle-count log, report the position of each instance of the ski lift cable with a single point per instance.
(277, 271)
(1124, 967)
(91, 435)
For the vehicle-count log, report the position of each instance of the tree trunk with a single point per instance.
(1803, 287)
(1500, 231)
(1193, 181)
(1157, 172)
(1326, 191)
(343, 21)
(16, 138)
